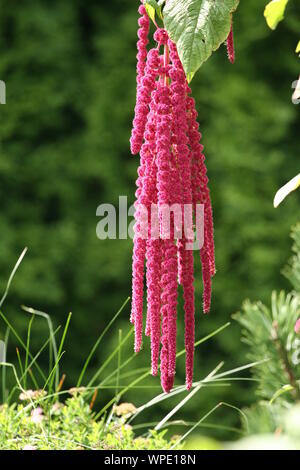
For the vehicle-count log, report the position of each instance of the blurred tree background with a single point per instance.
(69, 69)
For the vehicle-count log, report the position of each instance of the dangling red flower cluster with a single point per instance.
(230, 46)
(172, 172)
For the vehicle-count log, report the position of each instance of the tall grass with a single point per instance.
(119, 381)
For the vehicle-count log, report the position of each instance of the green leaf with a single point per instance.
(153, 7)
(190, 76)
(150, 11)
(274, 12)
(198, 27)
(281, 391)
(283, 192)
(153, 3)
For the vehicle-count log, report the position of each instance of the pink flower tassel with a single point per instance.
(148, 195)
(143, 31)
(189, 308)
(144, 91)
(144, 194)
(167, 380)
(201, 196)
(154, 261)
(170, 264)
(139, 251)
(153, 248)
(206, 276)
(165, 188)
(186, 258)
(171, 177)
(230, 46)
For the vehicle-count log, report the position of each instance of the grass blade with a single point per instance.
(189, 423)
(8, 364)
(94, 348)
(51, 375)
(52, 343)
(27, 347)
(109, 359)
(31, 364)
(12, 275)
(119, 364)
(182, 438)
(20, 362)
(206, 338)
(195, 426)
(59, 353)
(3, 359)
(238, 369)
(21, 342)
(188, 397)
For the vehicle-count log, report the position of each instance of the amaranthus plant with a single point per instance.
(172, 178)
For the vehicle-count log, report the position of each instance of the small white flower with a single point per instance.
(28, 395)
(37, 415)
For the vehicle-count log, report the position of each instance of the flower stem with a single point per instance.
(166, 62)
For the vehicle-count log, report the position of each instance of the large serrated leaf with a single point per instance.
(198, 27)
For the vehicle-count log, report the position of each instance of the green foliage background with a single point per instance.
(69, 68)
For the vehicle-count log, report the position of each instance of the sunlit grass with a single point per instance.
(50, 417)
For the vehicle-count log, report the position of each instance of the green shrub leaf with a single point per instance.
(274, 12)
(281, 391)
(198, 27)
(153, 7)
(283, 192)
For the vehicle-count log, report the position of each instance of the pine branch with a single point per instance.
(285, 362)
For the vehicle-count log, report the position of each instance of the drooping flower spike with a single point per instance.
(230, 46)
(143, 31)
(171, 176)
